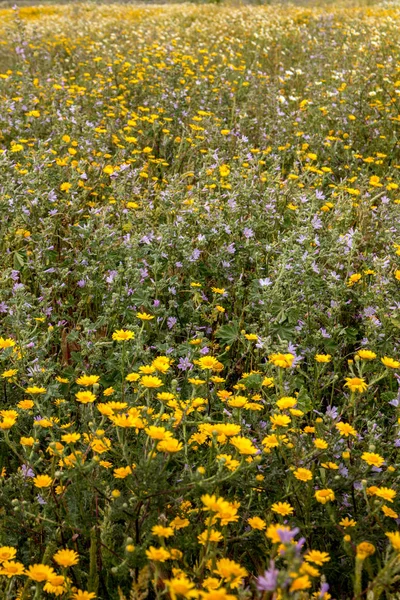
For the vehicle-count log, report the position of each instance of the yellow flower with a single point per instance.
(122, 335)
(147, 369)
(356, 384)
(82, 595)
(209, 363)
(7, 553)
(252, 337)
(364, 550)
(158, 554)
(386, 493)
(161, 364)
(149, 381)
(35, 390)
(346, 522)
(87, 380)
(356, 278)
(323, 358)
(11, 568)
(71, 438)
(374, 181)
(221, 593)
(394, 538)
(320, 444)
(108, 391)
(237, 402)
(181, 586)
(27, 441)
(212, 502)
(324, 496)
(286, 402)
(397, 274)
(122, 472)
(366, 354)
(42, 481)
(388, 512)
(243, 445)
(170, 445)
(6, 343)
(390, 362)
(257, 523)
(282, 508)
(268, 382)
(303, 474)
(179, 523)
(279, 421)
(230, 572)
(8, 419)
(161, 531)
(144, 316)
(229, 462)
(66, 558)
(26, 404)
(209, 536)
(224, 170)
(85, 397)
(346, 429)
(55, 585)
(301, 583)
(39, 572)
(9, 373)
(317, 557)
(373, 459)
(132, 377)
(282, 360)
(158, 433)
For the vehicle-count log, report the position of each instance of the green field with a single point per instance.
(199, 301)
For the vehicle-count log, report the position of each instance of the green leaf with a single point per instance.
(138, 298)
(304, 401)
(252, 381)
(388, 396)
(228, 334)
(18, 261)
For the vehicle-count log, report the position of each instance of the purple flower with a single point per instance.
(184, 364)
(287, 536)
(195, 255)
(324, 589)
(332, 412)
(265, 282)
(316, 222)
(27, 471)
(3, 307)
(248, 233)
(111, 276)
(171, 322)
(268, 581)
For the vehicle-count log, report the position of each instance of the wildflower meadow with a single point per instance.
(200, 302)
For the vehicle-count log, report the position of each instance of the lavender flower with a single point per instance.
(268, 581)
